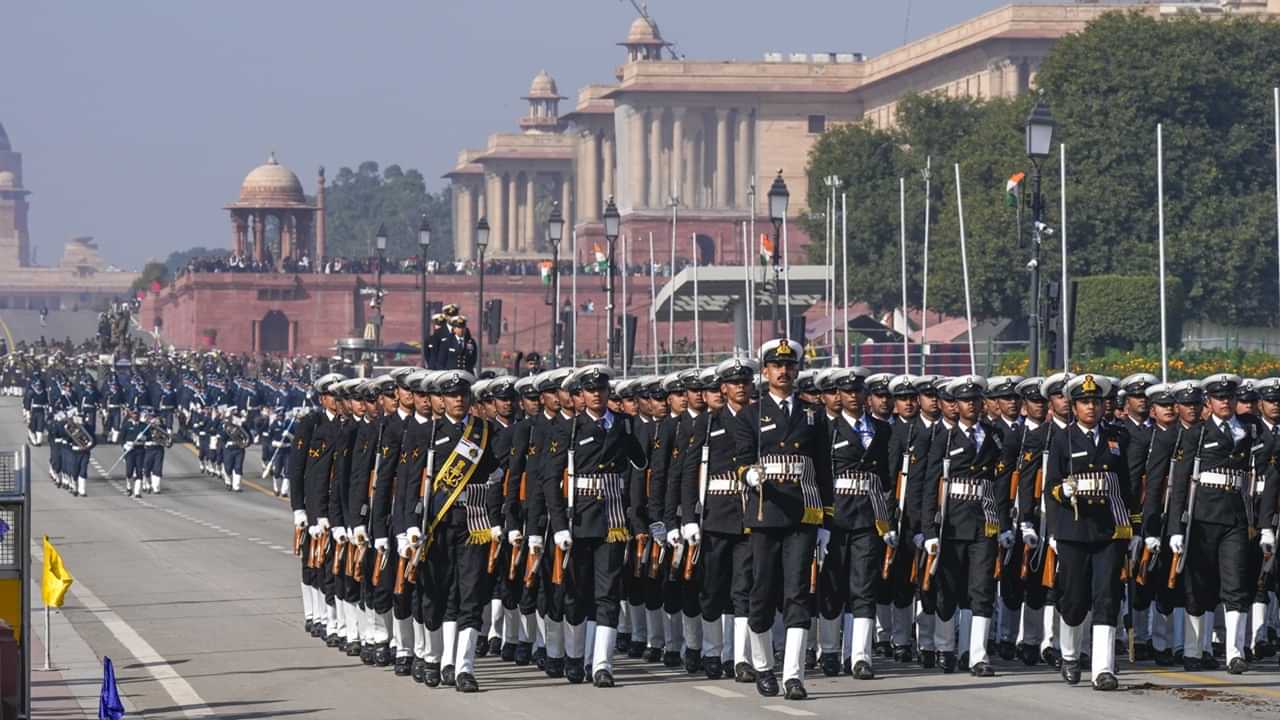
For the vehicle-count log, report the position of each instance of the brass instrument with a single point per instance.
(237, 437)
(160, 434)
(81, 440)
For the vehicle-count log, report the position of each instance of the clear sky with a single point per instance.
(138, 119)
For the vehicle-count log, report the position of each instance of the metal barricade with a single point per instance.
(15, 584)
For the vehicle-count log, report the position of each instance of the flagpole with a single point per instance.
(671, 304)
(625, 245)
(573, 291)
(924, 275)
(653, 304)
(1276, 92)
(1065, 290)
(697, 326)
(844, 272)
(746, 287)
(48, 642)
(902, 226)
(786, 277)
(964, 265)
(1164, 339)
(751, 259)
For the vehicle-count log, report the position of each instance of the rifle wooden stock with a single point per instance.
(915, 567)
(655, 563)
(513, 568)
(1141, 579)
(1125, 572)
(642, 555)
(813, 576)
(1025, 570)
(927, 583)
(336, 567)
(356, 562)
(887, 566)
(401, 570)
(557, 566)
(691, 561)
(411, 567)
(298, 534)
(999, 564)
(1173, 570)
(1013, 485)
(378, 560)
(1049, 574)
(495, 547)
(531, 567)
(677, 560)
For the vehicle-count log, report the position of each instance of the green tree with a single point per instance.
(152, 272)
(358, 201)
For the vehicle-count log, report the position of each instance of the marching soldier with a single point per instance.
(1092, 499)
(1021, 588)
(783, 456)
(1268, 512)
(458, 351)
(1166, 436)
(1138, 429)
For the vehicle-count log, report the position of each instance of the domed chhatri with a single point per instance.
(272, 184)
(643, 32)
(543, 87)
(8, 181)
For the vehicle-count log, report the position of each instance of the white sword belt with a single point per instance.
(856, 483)
(784, 471)
(597, 483)
(725, 483)
(1093, 484)
(965, 489)
(1223, 479)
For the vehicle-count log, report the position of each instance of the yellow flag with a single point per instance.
(57, 581)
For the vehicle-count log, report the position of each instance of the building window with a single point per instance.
(817, 124)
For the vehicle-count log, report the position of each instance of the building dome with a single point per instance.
(4, 140)
(8, 181)
(543, 86)
(643, 32)
(272, 184)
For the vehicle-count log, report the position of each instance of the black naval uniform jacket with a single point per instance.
(965, 519)
(663, 453)
(365, 450)
(1164, 443)
(422, 506)
(502, 434)
(1219, 451)
(1138, 438)
(1029, 446)
(340, 479)
(516, 482)
(639, 481)
(909, 438)
(763, 430)
(414, 445)
(316, 451)
(715, 430)
(1269, 502)
(543, 443)
(675, 511)
(1072, 452)
(855, 512)
(597, 451)
(382, 509)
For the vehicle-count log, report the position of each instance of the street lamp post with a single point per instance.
(555, 233)
(380, 243)
(424, 243)
(778, 200)
(1039, 132)
(611, 223)
(482, 242)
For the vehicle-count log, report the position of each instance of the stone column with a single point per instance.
(286, 236)
(566, 197)
(609, 161)
(259, 236)
(464, 221)
(590, 178)
(677, 153)
(693, 168)
(510, 239)
(655, 158)
(742, 157)
(723, 198)
(494, 208)
(239, 231)
(530, 242)
(637, 187)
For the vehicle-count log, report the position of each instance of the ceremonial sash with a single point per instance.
(457, 471)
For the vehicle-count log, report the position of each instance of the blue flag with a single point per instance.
(109, 705)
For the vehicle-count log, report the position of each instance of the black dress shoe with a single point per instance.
(482, 648)
(602, 679)
(1178, 657)
(1264, 649)
(1071, 671)
(402, 666)
(847, 667)
(574, 671)
(554, 667)
(636, 650)
(981, 669)
(693, 661)
(495, 646)
(744, 673)
(766, 683)
(419, 670)
(317, 630)
(1219, 649)
(1237, 666)
(653, 655)
(366, 654)
(540, 658)
(902, 654)
(446, 675)
(810, 659)
(1105, 682)
(1209, 662)
(862, 671)
(1050, 656)
(342, 645)
(948, 662)
(963, 662)
(830, 663)
(520, 652)
(1141, 651)
(508, 653)
(1030, 654)
(1006, 650)
(382, 655)
(1085, 660)
(307, 626)
(795, 690)
(881, 649)
(671, 659)
(332, 640)
(355, 649)
(431, 675)
(623, 643)
(928, 659)
(1192, 664)
(712, 668)
(1164, 658)
(466, 683)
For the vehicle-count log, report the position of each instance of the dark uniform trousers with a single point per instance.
(379, 597)
(1089, 579)
(1217, 568)
(850, 574)
(454, 584)
(966, 574)
(595, 582)
(726, 572)
(780, 558)
(1014, 590)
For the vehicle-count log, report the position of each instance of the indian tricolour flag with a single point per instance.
(1011, 188)
(601, 260)
(545, 267)
(766, 248)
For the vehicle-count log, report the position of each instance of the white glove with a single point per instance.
(918, 539)
(691, 534)
(1175, 543)
(1268, 541)
(563, 540)
(315, 531)
(1005, 539)
(658, 532)
(128, 447)
(673, 537)
(339, 535)
(495, 534)
(381, 544)
(515, 537)
(360, 535)
(1053, 543)
(413, 536)
(323, 523)
(402, 546)
(891, 538)
(1153, 544)
(535, 543)
(824, 539)
(300, 518)
(1029, 537)
(931, 546)
(1068, 490)
(752, 477)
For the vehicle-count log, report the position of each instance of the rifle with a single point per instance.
(903, 473)
(1188, 515)
(135, 441)
(562, 557)
(1048, 567)
(642, 554)
(691, 560)
(931, 562)
(336, 568)
(495, 547)
(513, 567)
(298, 534)
(655, 563)
(428, 475)
(532, 560)
(677, 560)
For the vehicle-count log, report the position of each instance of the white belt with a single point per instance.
(1259, 486)
(965, 489)
(1091, 485)
(784, 468)
(726, 484)
(1226, 481)
(596, 482)
(857, 484)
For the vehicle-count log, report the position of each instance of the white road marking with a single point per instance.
(794, 712)
(718, 691)
(276, 547)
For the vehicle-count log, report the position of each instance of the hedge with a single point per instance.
(1123, 312)
(1197, 364)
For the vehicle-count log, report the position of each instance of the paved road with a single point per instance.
(194, 594)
